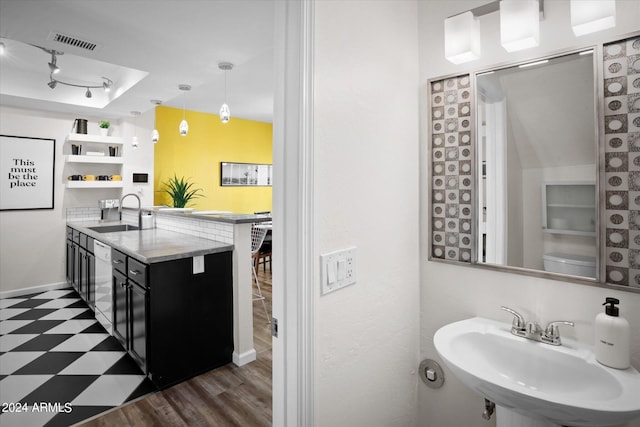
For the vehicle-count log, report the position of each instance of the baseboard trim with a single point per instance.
(244, 358)
(33, 290)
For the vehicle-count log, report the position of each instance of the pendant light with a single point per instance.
(225, 114)
(591, 16)
(134, 140)
(184, 126)
(155, 135)
(519, 24)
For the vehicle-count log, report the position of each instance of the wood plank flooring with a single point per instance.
(227, 396)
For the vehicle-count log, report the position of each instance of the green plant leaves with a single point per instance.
(181, 191)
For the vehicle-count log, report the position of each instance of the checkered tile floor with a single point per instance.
(58, 365)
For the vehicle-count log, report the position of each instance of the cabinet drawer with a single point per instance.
(137, 272)
(83, 240)
(69, 233)
(76, 236)
(89, 246)
(119, 261)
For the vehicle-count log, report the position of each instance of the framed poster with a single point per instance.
(27, 168)
(245, 174)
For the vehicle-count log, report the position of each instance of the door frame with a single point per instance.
(293, 232)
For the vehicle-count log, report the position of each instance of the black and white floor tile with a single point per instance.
(58, 365)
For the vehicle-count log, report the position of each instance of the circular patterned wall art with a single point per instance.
(616, 219)
(636, 65)
(451, 83)
(465, 123)
(466, 138)
(615, 181)
(451, 225)
(615, 199)
(466, 256)
(637, 200)
(616, 237)
(439, 182)
(437, 141)
(466, 240)
(437, 238)
(437, 154)
(438, 224)
(636, 44)
(451, 111)
(615, 276)
(452, 213)
(438, 169)
(636, 83)
(452, 253)
(465, 109)
(436, 86)
(615, 105)
(466, 182)
(438, 210)
(451, 139)
(615, 256)
(437, 252)
(634, 140)
(438, 99)
(452, 196)
(615, 87)
(466, 94)
(466, 211)
(464, 81)
(452, 240)
(466, 197)
(452, 167)
(437, 127)
(636, 240)
(636, 122)
(614, 49)
(615, 162)
(615, 67)
(466, 152)
(466, 167)
(615, 124)
(451, 126)
(451, 98)
(636, 161)
(437, 114)
(615, 142)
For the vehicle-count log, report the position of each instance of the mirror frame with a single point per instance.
(437, 188)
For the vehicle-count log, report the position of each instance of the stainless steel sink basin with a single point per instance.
(114, 228)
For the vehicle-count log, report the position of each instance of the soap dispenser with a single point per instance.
(612, 337)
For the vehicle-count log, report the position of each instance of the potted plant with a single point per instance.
(104, 127)
(181, 191)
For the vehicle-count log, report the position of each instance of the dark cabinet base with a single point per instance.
(190, 318)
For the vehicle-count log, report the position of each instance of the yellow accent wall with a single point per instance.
(198, 155)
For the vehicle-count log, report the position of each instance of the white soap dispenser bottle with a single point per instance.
(612, 337)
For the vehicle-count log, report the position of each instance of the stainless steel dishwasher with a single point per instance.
(103, 295)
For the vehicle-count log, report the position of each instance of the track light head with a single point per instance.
(52, 84)
(53, 64)
(88, 93)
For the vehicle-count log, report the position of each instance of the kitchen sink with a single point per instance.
(114, 228)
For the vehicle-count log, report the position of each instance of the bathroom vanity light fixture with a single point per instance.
(519, 24)
(590, 16)
(184, 126)
(225, 114)
(134, 140)
(462, 38)
(519, 28)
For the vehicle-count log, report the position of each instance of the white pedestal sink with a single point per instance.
(536, 384)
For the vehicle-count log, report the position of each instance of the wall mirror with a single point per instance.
(536, 175)
(535, 167)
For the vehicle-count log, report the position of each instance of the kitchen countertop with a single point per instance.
(232, 218)
(151, 245)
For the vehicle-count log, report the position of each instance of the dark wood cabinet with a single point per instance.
(174, 323)
(80, 269)
(130, 317)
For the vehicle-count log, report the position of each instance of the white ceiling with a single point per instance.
(175, 41)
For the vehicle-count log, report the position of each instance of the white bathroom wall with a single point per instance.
(32, 242)
(366, 185)
(451, 292)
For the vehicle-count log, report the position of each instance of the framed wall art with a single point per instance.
(27, 167)
(245, 174)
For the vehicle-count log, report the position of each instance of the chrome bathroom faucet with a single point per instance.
(533, 331)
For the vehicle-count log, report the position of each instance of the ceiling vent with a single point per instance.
(73, 42)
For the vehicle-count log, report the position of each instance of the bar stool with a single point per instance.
(257, 238)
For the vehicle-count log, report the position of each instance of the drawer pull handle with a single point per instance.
(117, 261)
(134, 272)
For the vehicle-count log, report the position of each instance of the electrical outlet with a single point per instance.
(338, 269)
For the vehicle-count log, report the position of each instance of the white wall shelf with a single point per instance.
(94, 184)
(79, 137)
(105, 160)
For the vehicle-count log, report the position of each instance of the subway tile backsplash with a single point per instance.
(207, 229)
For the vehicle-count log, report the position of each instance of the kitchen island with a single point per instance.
(171, 297)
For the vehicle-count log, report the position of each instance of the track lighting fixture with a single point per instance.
(184, 126)
(134, 139)
(225, 114)
(106, 84)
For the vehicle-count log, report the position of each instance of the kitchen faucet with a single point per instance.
(139, 208)
(533, 331)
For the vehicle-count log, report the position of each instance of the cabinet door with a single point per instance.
(91, 280)
(71, 258)
(81, 270)
(120, 297)
(138, 328)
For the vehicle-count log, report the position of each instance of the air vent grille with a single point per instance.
(72, 41)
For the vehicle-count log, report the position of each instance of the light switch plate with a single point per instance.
(337, 270)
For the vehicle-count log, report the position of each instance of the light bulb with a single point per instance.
(184, 127)
(134, 142)
(155, 136)
(225, 114)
